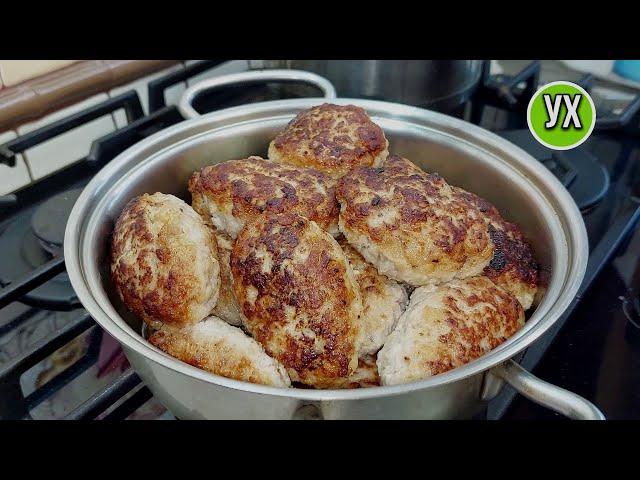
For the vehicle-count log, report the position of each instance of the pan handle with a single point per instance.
(298, 76)
(544, 393)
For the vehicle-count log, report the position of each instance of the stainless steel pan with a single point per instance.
(464, 154)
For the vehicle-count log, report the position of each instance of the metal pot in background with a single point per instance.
(440, 85)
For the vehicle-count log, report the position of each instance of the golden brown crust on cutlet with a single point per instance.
(447, 326)
(164, 261)
(513, 265)
(331, 138)
(216, 347)
(413, 226)
(481, 318)
(245, 188)
(365, 376)
(298, 295)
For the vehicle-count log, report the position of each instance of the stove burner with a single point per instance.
(31, 240)
(50, 219)
(579, 171)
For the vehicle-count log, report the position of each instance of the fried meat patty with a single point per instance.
(219, 348)
(412, 225)
(513, 266)
(447, 326)
(365, 375)
(164, 261)
(331, 138)
(232, 192)
(298, 296)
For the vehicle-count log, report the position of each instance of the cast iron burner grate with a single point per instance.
(579, 171)
(30, 241)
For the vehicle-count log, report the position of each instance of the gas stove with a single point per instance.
(56, 362)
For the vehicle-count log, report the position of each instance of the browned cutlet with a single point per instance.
(164, 261)
(447, 326)
(331, 138)
(230, 193)
(299, 296)
(412, 225)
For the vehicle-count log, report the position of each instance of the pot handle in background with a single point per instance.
(292, 76)
(544, 393)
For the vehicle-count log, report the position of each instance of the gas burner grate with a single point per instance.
(586, 179)
(30, 241)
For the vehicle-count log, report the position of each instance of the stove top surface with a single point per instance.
(56, 363)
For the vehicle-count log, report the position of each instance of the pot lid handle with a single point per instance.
(292, 76)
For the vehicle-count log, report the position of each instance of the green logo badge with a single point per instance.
(561, 115)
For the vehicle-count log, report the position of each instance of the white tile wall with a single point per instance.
(12, 178)
(69, 147)
(172, 95)
(17, 71)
